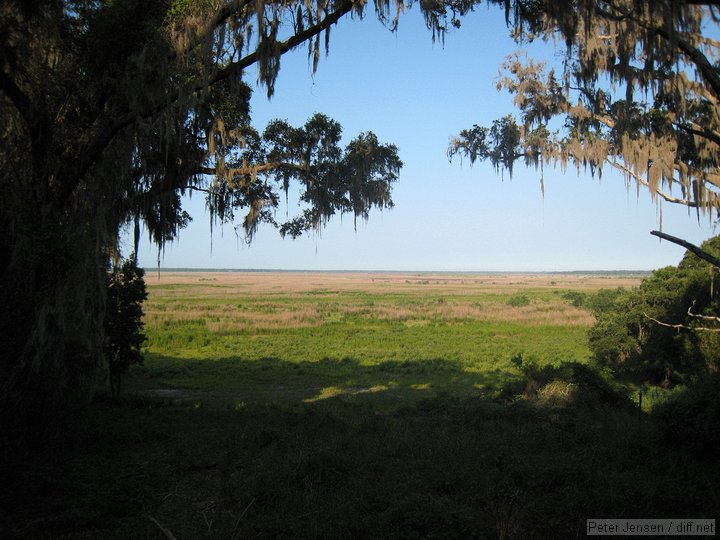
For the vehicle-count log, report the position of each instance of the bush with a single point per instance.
(604, 300)
(569, 383)
(126, 293)
(576, 298)
(518, 300)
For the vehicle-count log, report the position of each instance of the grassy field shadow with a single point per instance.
(233, 380)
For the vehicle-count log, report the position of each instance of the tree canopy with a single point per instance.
(110, 113)
(637, 91)
(666, 331)
(161, 107)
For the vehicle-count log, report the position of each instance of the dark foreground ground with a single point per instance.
(444, 468)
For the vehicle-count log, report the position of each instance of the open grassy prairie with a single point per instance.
(390, 337)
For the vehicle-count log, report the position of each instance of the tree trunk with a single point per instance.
(115, 385)
(51, 326)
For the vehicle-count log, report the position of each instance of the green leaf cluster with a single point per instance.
(662, 332)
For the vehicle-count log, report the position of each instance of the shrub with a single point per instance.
(576, 298)
(604, 300)
(123, 320)
(518, 300)
(569, 383)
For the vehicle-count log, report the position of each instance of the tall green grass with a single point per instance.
(389, 347)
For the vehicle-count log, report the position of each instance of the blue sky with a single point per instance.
(447, 216)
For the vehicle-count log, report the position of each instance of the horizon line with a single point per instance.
(364, 271)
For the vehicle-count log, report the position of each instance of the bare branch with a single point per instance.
(236, 68)
(168, 534)
(222, 15)
(703, 317)
(704, 132)
(197, 188)
(703, 39)
(704, 255)
(678, 326)
(251, 169)
(681, 326)
(711, 3)
(120, 121)
(640, 180)
(17, 97)
(695, 55)
(707, 71)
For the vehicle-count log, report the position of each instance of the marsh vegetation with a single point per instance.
(399, 336)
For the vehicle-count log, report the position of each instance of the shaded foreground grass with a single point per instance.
(442, 468)
(236, 382)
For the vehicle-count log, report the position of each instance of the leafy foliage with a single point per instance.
(626, 96)
(568, 383)
(576, 298)
(124, 336)
(653, 333)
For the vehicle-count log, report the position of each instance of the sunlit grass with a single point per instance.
(390, 338)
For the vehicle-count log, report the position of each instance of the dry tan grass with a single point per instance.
(455, 293)
(214, 283)
(229, 318)
(556, 313)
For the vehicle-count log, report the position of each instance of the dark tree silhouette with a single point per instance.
(123, 322)
(110, 112)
